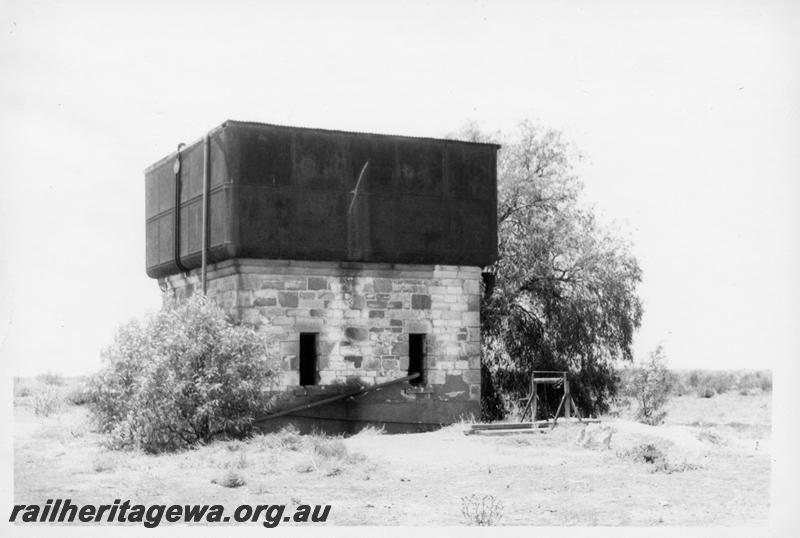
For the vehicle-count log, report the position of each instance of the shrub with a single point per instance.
(677, 385)
(708, 383)
(21, 391)
(620, 405)
(721, 382)
(287, 438)
(327, 448)
(232, 479)
(765, 381)
(481, 510)
(694, 379)
(647, 453)
(650, 387)
(651, 455)
(706, 392)
(370, 430)
(79, 395)
(50, 378)
(47, 402)
(707, 435)
(180, 376)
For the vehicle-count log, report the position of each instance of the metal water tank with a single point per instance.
(280, 192)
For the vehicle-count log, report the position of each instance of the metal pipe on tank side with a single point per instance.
(204, 233)
(176, 228)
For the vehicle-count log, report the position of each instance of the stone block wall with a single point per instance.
(363, 314)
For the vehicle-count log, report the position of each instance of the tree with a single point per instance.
(565, 287)
(650, 386)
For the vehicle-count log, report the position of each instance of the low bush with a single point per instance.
(21, 391)
(678, 385)
(370, 430)
(721, 382)
(708, 383)
(481, 510)
(328, 448)
(693, 379)
(178, 377)
(765, 382)
(47, 402)
(653, 456)
(752, 382)
(706, 392)
(79, 395)
(712, 437)
(647, 453)
(620, 405)
(50, 378)
(287, 438)
(231, 479)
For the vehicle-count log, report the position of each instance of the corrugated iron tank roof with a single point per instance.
(281, 192)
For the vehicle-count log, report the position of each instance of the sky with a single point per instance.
(688, 114)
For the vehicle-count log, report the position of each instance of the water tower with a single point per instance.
(358, 255)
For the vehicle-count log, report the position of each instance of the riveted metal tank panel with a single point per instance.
(281, 192)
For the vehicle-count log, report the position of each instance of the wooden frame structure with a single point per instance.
(558, 379)
(538, 377)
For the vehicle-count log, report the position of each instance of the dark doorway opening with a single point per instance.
(416, 358)
(308, 359)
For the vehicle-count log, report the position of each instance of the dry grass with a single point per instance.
(482, 510)
(720, 445)
(231, 479)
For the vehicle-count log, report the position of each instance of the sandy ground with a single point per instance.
(420, 479)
